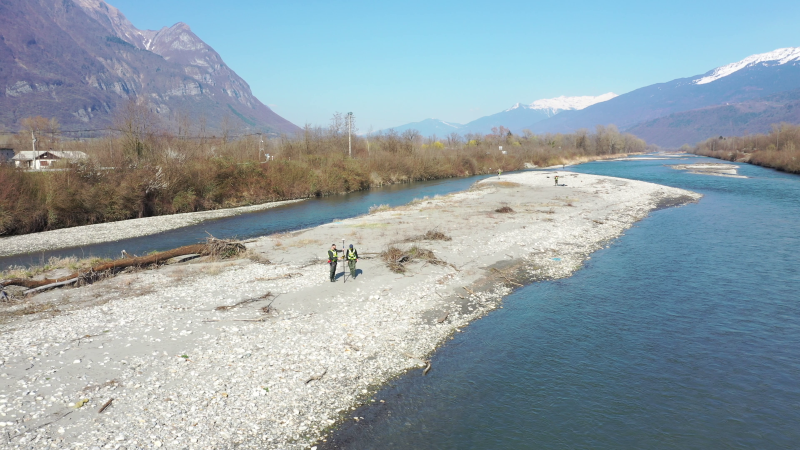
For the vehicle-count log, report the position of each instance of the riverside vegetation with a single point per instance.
(779, 149)
(146, 168)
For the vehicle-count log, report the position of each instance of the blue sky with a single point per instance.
(397, 62)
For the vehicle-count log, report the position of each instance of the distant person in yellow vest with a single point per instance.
(351, 255)
(333, 258)
(499, 172)
(556, 180)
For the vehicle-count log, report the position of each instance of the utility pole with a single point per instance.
(260, 146)
(33, 141)
(349, 133)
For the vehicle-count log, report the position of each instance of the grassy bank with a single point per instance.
(141, 172)
(779, 149)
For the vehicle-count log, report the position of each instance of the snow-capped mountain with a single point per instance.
(516, 118)
(742, 97)
(553, 106)
(774, 58)
(754, 77)
(428, 127)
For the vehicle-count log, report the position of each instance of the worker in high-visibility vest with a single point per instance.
(333, 258)
(351, 255)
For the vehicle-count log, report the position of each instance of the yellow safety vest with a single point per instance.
(335, 255)
(351, 254)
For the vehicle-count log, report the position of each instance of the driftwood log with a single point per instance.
(213, 247)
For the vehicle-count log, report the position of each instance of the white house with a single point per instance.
(43, 160)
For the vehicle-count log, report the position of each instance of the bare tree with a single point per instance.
(44, 131)
(453, 139)
(225, 128)
(410, 138)
(139, 125)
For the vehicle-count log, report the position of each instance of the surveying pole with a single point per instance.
(349, 132)
(344, 261)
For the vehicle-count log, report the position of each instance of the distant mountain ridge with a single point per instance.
(746, 96)
(746, 81)
(515, 118)
(730, 119)
(774, 58)
(552, 106)
(80, 60)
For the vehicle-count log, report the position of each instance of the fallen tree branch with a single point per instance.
(243, 302)
(105, 405)
(47, 287)
(317, 377)
(111, 266)
(213, 247)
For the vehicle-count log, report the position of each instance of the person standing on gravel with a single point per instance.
(351, 255)
(556, 180)
(333, 257)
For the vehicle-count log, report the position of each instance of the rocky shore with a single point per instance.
(265, 352)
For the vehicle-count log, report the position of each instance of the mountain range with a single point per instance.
(747, 96)
(516, 118)
(81, 60)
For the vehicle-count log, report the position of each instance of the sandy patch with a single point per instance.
(258, 355)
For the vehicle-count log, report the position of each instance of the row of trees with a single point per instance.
(144, 169)
(778, 149)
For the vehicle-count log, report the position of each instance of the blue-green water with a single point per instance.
(683, 334)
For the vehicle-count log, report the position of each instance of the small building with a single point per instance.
(6, 155)
(43, 160)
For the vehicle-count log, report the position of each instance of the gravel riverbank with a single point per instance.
(115, 231)
(265, 352)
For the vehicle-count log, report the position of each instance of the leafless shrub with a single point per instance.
(223, 248)
(434, 235)
(396, 258)
(504, 209)
(430, 235)
(378, 208)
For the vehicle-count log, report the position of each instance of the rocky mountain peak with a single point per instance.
(79, 60)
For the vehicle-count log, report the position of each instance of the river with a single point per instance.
(683, 333)
(306, 214)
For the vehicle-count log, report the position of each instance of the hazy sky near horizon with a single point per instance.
(391, 63)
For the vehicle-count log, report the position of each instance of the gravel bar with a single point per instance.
(253, 354)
